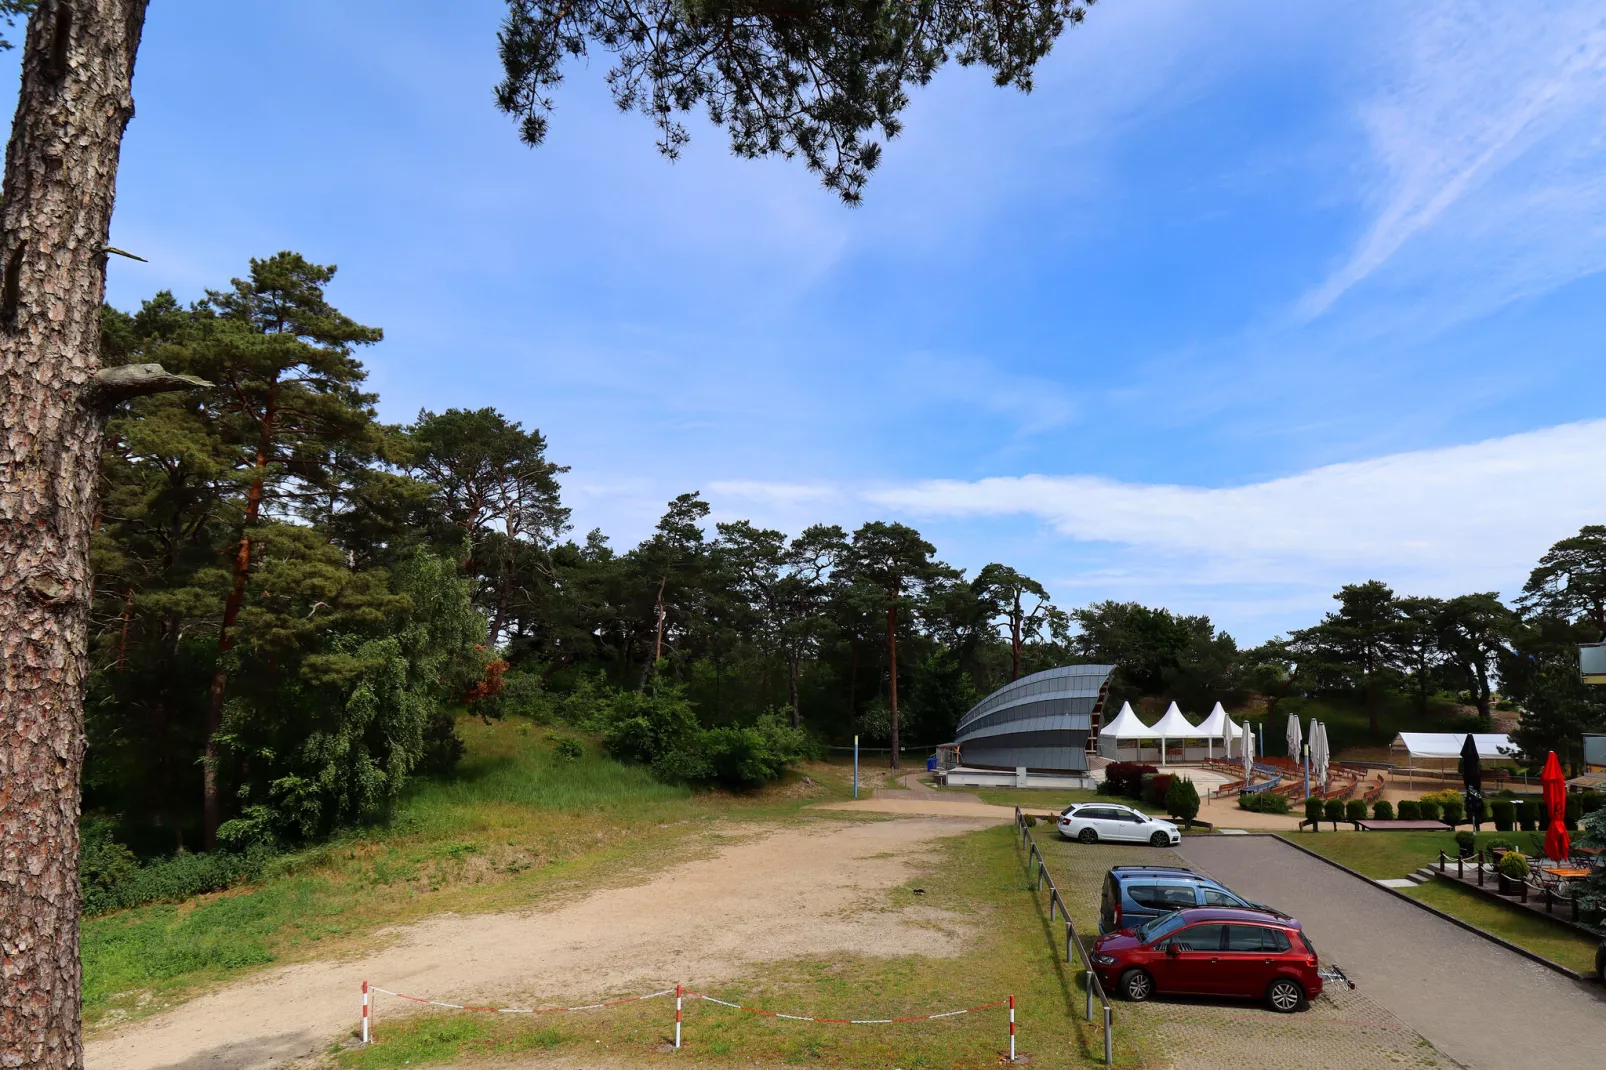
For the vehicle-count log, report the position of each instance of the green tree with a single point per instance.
(1357, 639)
(1020, 601)
(1182, 799)
(1417, 643)
(674, 559)
(288, 394)
(1570, 580)
(813, 80)
(890, 566)
(1474, 632)
(1155, 651)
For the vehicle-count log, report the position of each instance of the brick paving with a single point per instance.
(1486, 1007)
(1342, 1030)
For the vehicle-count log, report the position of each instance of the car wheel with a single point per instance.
(1088, 836)
(1136, 986)
(1285, 997)
(1160, 839)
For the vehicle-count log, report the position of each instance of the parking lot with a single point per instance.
(1342, 1030)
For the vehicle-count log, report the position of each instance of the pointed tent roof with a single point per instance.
(1217, 725)
(1127, 726)
(1175, 726)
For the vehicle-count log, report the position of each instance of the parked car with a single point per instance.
(1207, 951)
(1133, 895)
(1092, 822)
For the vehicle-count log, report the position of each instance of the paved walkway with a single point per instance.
(1484, 1006)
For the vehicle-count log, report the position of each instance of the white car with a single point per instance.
(1092, 822)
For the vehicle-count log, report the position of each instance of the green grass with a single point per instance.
(1552, 940)
(1389, 854)
(514, 826)
(1029, 798)
(975, 882)
(1348, 725)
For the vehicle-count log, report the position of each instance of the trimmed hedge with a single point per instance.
(1264, 802)
(1410, 810)
(1530, 815)
(1504, 814)
(1383, 810)
(1313, 810)
(1455, 811)
(1427, 811)
(1355, 810)
(1126, 778)
(1465, 842)
(1333, 810)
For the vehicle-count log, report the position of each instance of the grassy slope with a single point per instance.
(513, 826)
(1394, 854)
(976, 880)
(1348, 725)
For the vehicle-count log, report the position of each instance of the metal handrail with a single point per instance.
(1090, 982)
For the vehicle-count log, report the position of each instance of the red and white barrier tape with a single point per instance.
(847, 1021)
(679, 993)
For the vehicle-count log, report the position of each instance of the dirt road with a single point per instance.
(790, 892)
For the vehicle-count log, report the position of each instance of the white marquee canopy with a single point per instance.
(1447, 745)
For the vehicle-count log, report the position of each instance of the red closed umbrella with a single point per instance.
(1555, 784)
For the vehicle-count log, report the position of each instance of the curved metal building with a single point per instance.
(1042, 721)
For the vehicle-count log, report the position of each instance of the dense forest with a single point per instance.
(294, 601)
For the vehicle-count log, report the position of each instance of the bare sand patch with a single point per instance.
(791, 892)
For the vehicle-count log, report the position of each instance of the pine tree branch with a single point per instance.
(113, 385)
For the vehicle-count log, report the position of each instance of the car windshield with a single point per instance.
(1163, 926)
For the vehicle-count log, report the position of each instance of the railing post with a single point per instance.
(1460, 867)
(1053, 894)
(1087, 983)
(1070, 934)
(1480, 869)
(1109, 1039)
(1441, 860)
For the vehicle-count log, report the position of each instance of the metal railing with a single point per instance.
(1073, 946)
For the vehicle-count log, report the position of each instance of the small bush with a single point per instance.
(1313, 810)
(1182, 799)
(1410, 810)
(1530, 815)
(1514, 865)
(1126, 778)
(1427, 811)
(1333, 810)
(568, 749)
(1499, 843)
(1264, 802)
(1455, 811)
(1155, 786)
(1504, 814)
(1465, 842)
(1383, 810)
(1031, 820)
(1442, 796)
(1355, 810)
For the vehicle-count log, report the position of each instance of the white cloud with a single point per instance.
(1471, 517)
(1486, 139)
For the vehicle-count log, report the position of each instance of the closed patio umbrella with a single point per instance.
(1472, 781)
(1318, 756)
(1555, 785)
(1247, 743)
(1295, 738)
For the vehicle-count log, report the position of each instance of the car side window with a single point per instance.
(1199, 938)
(1162, 897)
(1215, 897)
(1276, 940)
(1246, 938)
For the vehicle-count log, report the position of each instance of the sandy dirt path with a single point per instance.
(788, 893)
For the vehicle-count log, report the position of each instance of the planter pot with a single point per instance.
(1510, 885)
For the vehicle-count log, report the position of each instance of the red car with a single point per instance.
(1212, 951)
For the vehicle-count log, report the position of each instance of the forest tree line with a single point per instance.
(293, 597)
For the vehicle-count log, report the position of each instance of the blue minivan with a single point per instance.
(1134, 894)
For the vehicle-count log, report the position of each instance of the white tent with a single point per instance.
(1121, 739)
(1218, 726)
(1174, 726)
(1447, 745)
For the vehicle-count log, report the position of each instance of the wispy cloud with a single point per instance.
(1438, 521)
(1482, 90)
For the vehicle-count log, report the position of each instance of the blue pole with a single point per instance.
(855, 767)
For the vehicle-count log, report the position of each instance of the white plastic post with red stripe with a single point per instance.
(1011, 1028)
(365, 999)
(677, 1017)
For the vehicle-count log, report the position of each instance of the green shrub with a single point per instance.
(1333, 810)
(1530, 815)
(1499, 843)
(1441, 797)
(1155, 786)
(1126, 778)
(1455, 811)
(1574, 811)
(1030, 819)
(568, 749)
(1264, 802)
(1410, 810)
(744, 756)
(1514, 865)
(1355, 810)
(1313, 810)
(1383, 810)
(1465, 842)
(645, 728)
(114, 881)
(1504, 814)
(1427, 811)
(1182, 799)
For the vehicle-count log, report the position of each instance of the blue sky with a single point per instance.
(1244, 302)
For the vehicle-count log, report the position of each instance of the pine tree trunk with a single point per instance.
(892, 678)
(1014, 641)
(60, 182)
(797, 705)
(211, 800)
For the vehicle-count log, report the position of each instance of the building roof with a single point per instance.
(1175, 726)
(1127, 726)
(1065, 682)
